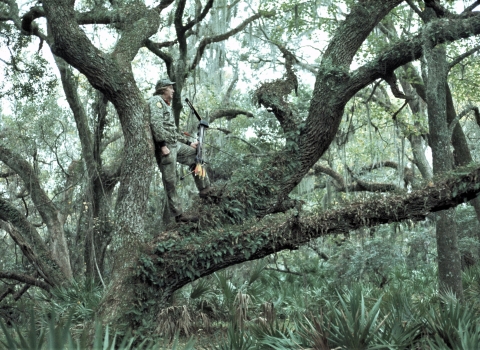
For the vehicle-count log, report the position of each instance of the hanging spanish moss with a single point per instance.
(307, 185)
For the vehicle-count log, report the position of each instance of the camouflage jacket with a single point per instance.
(162, 122)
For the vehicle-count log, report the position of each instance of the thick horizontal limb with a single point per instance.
(25, 279)
(180, 264)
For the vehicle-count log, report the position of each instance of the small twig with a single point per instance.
(283, 271)
(460, 116)
(20, 293)
(6, 293)
(458, 59)
(373, 92)
(394, 116)
(416, 9)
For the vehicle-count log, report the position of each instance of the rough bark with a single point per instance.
(25, 279)
(335, 85)
(417, 141)
(45, 206)
(112, 75)
(31, 244)
(228, 114)
(449, 263)
(94, 226)
(169, 263)
(357, 185)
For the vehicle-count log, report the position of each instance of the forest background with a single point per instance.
(343, 151)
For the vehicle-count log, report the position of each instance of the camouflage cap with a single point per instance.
(163, 82)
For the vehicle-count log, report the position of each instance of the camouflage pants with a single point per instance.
(182, 154)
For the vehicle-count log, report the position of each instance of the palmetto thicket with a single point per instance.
(353, 300)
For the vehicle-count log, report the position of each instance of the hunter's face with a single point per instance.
(169, 91)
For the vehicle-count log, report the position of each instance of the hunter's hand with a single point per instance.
(194, 144)
(165, 151)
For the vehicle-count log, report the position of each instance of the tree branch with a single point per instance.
(229, 114)
(460, 116)
(357, 186)
(214, 39)
(416, 9)
(80, 116)
(167, 58)
(391, 80)
(30, 243)
(256, 148)
(22, 291)
(339, 182)
(44, 205)
(111, 139)
(163, 5)
(265, 238)
(200, 17)
(231, 86)
(389, 164)
(471, 7)
(25, 279)
(283, 271)
(7, 174)
(461, 57)
(5, 293)
(407, 50)
(438, 8)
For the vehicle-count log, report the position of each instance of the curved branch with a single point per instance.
(322, 169)
(7, 174)
(416, 9)
(360, 186)
(200, 17)
(217, 38)
(4, 294)
(387, 164)
(461, 115)
(262, 239)
(357, 186)
(155, 49)
(471, 7)
(461, 57)
(81, 120)
(22, 291)
(27, 20)
(223, 130)
(25, 279)
(391, 80)
(161, 45)
(111, 139)
(231, 86)
(30, 243)
(407, 50)
(291, 56)
(229, 114)
(163, 5)
(44, 205)
(257, 149)
(25, 23)
(438, 8)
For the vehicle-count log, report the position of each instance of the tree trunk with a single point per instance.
(461, 153)
(449, 266)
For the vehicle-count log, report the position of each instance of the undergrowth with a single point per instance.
(358, 292)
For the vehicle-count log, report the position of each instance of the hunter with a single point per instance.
(172, 147)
